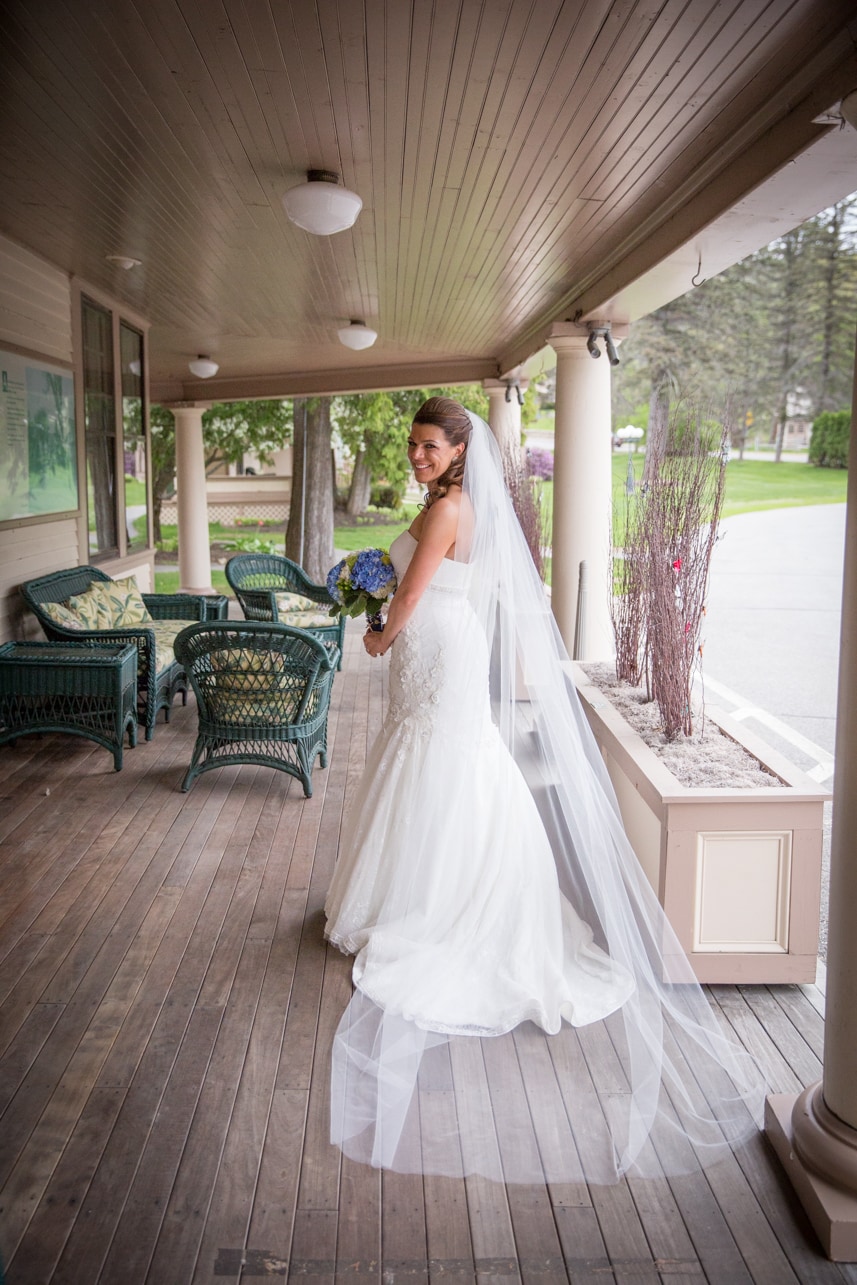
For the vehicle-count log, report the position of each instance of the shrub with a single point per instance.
(540, 463)
(253, 544)
(385, 496)
(828, 447)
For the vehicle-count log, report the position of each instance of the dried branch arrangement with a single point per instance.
(527, 503)
(660, 578)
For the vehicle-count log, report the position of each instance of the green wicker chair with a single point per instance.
(262, 691)
(159, 681)
(260, 579)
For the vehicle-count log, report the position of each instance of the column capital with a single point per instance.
(574, 334)
(494, 387)
(503, 382)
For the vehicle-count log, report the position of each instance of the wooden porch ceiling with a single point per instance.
(518, 160)
(167, 1007)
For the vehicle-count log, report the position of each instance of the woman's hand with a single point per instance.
(373, 641)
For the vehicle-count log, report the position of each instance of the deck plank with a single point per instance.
(159, 1104)
(167, 1007)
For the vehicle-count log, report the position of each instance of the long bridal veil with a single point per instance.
(658, 1086)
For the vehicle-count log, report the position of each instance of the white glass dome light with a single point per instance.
(357, 335)
(203, 367)
(320, 205)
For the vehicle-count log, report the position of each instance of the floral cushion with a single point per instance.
(253, 689)
(63, 615)
(91, 608)
(125, 602)
(239, 671)
(165, 636)
(303, 613)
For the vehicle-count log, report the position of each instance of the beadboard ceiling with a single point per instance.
(520, 162)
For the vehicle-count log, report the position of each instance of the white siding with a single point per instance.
(35, 303)
(35, 313)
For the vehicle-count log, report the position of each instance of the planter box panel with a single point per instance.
(742, 892)
(737, 871)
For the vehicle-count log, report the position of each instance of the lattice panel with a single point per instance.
(226, 514)
(88, 712)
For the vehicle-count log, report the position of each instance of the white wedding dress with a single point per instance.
(486, 888)
(446, 889)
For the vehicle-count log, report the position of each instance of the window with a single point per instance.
(115, 433)
(134, 437)
(100, 427)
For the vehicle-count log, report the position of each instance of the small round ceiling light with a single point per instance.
(123, 261)
(320, 205)
(203, 367)
(357, 335)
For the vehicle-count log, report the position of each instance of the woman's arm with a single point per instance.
(437, 537)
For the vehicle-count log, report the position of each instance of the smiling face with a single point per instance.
(430, 452)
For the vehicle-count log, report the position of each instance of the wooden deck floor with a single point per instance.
(167, 1006)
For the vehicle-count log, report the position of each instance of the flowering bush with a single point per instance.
(540, 463)
(361, 582)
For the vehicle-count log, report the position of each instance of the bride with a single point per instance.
(486, 888)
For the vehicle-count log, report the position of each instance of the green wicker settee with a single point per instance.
(270, 587)
(262, 692)
(82, 604)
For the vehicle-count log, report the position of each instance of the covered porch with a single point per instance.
(167, 1011)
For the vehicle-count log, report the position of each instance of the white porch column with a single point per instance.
(815, 1133)
(192, 505)
(504, 412)
(582, 493)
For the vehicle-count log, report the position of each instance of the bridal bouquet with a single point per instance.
(362, 582)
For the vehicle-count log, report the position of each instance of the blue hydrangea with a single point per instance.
(362, 581)
(333, 581)
(372, 572)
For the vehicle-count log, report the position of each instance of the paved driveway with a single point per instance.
(772, 629)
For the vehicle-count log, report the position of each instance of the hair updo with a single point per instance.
(454, 422)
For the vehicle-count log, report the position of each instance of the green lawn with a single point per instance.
(371, 534)
(168, 582)
(761, 484)
(751, 485)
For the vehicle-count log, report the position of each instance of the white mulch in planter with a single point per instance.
(708, 758)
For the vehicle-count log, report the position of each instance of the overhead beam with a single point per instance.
(317, 383)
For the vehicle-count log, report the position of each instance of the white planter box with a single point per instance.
(738, 871)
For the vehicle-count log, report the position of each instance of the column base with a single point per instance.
(831, 1210)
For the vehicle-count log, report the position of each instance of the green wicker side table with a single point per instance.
(216, 606)
(70, 687)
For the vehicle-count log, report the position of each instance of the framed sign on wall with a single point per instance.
(38, 447)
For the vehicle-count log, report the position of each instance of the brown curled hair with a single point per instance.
(454, 422)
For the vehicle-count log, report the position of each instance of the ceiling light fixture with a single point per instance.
(320, 205)
(357, 335)
(204, 367)
(123, 261)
